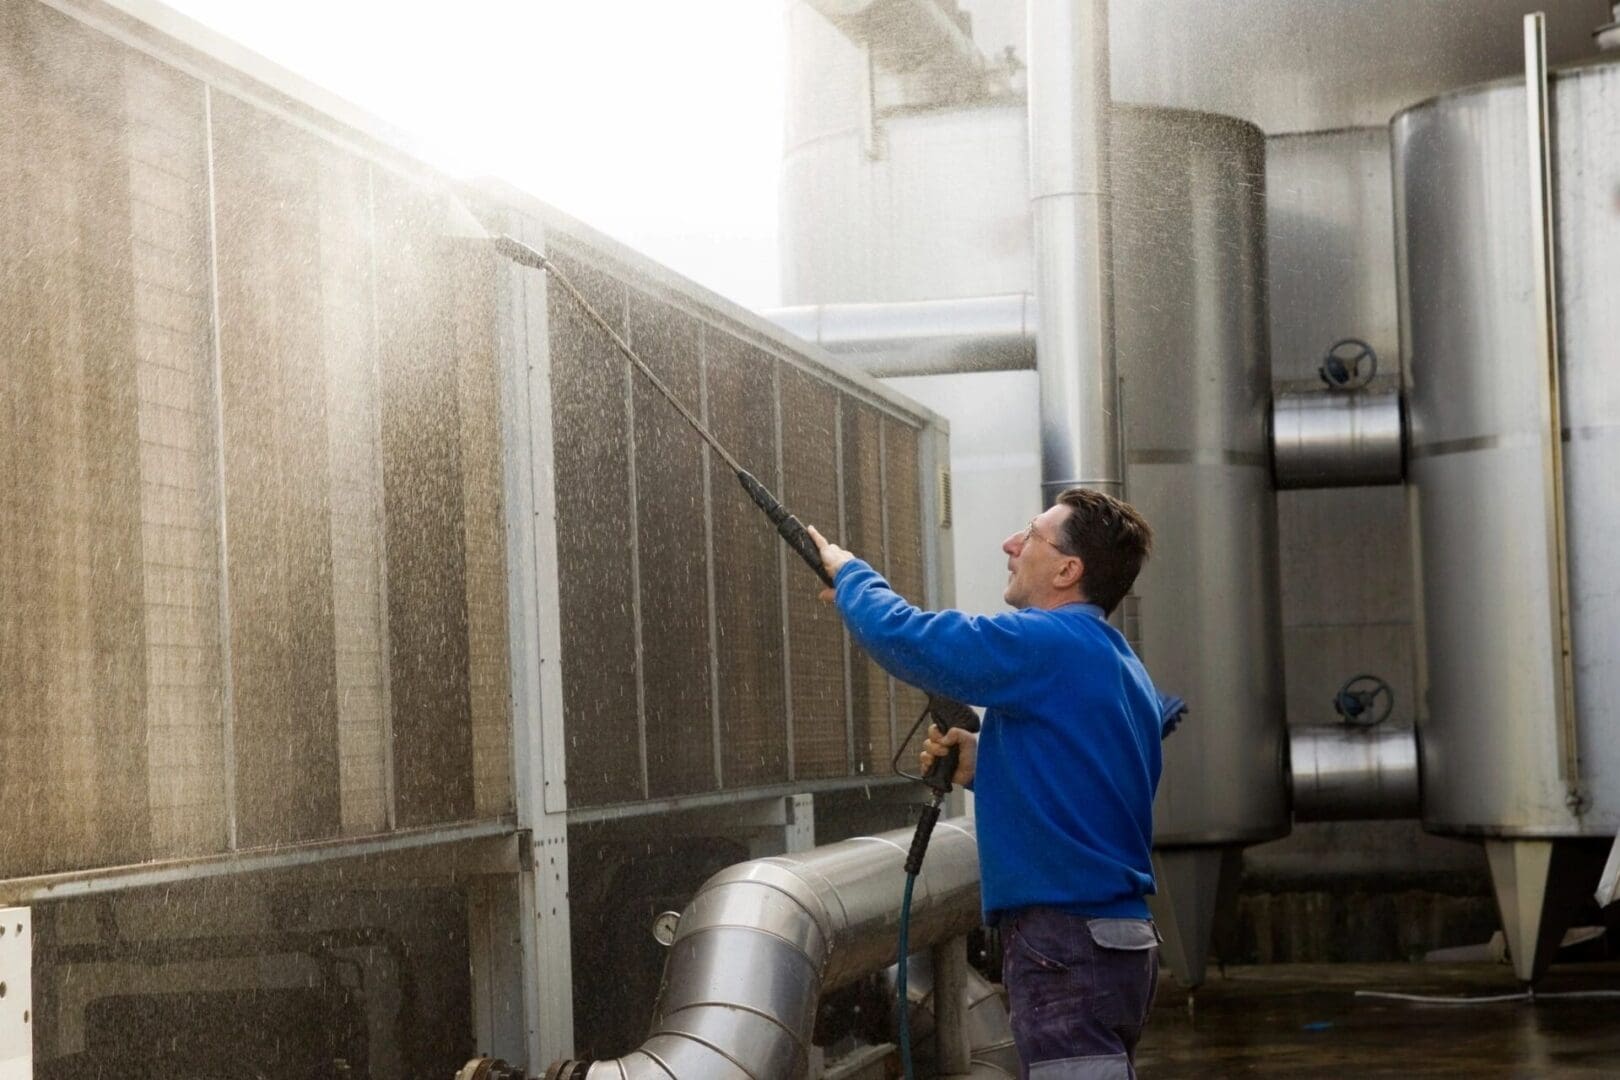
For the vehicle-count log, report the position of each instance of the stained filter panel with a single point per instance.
(590, 430)
(863, 521)
(815, 633)
(903, 499)
(673, 567)
(73, 655)
(236, 556)
(748, 572)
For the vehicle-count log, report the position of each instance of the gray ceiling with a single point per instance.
(1308, 65)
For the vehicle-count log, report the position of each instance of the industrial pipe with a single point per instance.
(1069, 122)
(1607, 36)
(922, 337)
(1348, 773)
(763, 940)
(1324, 439)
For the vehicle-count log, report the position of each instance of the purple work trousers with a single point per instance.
(1079, 990)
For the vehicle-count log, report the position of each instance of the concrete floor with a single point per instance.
(1304, 1020)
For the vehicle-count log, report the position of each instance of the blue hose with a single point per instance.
(905, 1004)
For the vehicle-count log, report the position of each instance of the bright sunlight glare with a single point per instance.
(658, 123)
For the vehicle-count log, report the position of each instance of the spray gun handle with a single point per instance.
(788, 527)
(799, 539)
(946, 714)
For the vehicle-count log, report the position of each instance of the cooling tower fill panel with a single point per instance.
(590, 428)
(276, 466)
(470, 279)
(741, 381)
(423, 481)
(673, 570)
(901, 496)
(73, 657)
(863, 525)
(179, 505)
(815, 632)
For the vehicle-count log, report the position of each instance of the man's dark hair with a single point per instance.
(1111, 539)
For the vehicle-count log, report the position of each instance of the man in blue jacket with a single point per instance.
(1063, 771)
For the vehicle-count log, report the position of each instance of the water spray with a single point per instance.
(789, 527)
(943, 712)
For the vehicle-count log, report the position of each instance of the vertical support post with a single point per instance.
(226, 668)
(951, 1007)
(494, 913)
(16, 995)
(1544, 281)
(532, 909)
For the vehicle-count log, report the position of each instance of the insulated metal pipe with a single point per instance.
(1347, 773)
(763, 940)
(1069, 99)
(1607, 36)
(1324, 439)
(922, 337)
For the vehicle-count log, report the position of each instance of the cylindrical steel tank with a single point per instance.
(1462, 167)
(1190, 337)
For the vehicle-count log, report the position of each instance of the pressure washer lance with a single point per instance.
(789, 527)
(944, 712)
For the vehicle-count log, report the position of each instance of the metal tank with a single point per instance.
(1503, 759)
(1191, 352)
(1189, 310)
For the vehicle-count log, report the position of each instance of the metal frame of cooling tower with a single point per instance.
(516, 866)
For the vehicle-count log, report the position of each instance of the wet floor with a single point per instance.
(1289, 1020)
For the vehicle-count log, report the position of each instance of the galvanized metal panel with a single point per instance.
(673, 577)
(748, 577)
(815, 633)
(589, 426)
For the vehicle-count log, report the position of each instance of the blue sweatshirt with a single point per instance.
(1069, 754)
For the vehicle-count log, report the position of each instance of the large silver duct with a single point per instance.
(763, 940)
(1068, 182)
(922, 337)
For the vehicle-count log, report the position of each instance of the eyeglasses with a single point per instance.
(1031, 534)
